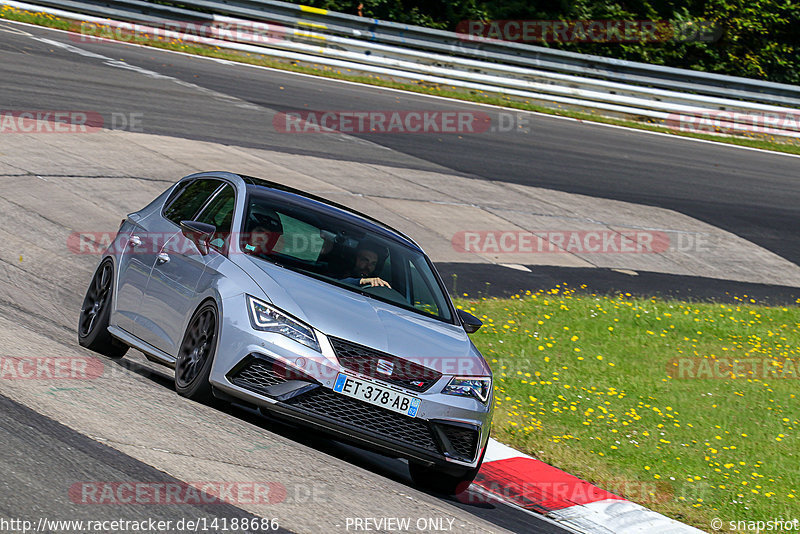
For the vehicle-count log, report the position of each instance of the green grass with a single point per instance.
(756, 141)
(588, 383)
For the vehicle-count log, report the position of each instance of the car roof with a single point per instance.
(328, 207)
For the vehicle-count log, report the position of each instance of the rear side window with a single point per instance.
(190, 200)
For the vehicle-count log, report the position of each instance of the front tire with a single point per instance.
(434, 479)
(95, 312)
(196, 354)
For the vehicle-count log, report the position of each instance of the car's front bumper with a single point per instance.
(292, 381)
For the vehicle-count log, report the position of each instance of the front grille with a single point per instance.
(463, 440)
(365, 360)
(362, 416)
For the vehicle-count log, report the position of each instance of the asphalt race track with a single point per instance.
(128, 425)
(30, 438)
(749, 193)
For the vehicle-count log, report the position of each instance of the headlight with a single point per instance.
(270, 319)
(468, 386)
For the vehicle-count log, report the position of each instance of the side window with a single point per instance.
(185, 205)
(219, 212)
(422, 297)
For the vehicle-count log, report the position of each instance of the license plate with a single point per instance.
(377, 395)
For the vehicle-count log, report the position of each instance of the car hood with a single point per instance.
(358, 318)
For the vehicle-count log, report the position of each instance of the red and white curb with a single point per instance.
(511, 476)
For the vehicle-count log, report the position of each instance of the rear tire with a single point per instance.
(438, 481)
(95, 312)
(196, 355)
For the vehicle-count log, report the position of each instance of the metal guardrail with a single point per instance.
(509, 53)
(347, 41)
(455, 44)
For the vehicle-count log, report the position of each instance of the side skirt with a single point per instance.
(153, 354)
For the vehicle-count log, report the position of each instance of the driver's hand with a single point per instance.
(373, 282)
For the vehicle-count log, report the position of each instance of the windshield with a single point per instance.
(341, 253)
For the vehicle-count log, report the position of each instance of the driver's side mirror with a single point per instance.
(470, 323)
(198, 233)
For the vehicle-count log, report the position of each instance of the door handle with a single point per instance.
(135, 241)
(162, 258)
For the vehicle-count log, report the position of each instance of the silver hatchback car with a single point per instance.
(261, 294)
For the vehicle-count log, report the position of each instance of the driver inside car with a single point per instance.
(363, 269)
